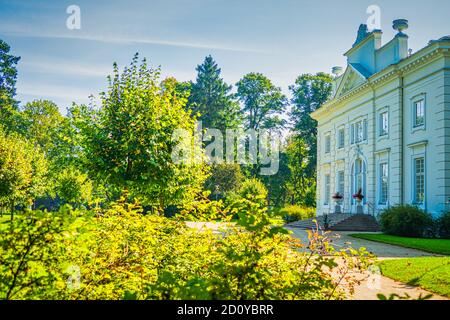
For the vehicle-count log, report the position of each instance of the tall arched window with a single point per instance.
(359, 178)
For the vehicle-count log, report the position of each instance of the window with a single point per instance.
(359, 131)
(327, 143)
(327, 193)
(341, 182)
(419, 113)
(384, 124)
(384, 183)
(341, 138)
(359, 176)
(419, 180)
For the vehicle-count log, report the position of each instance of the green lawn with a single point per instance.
(440, 246)
(430, 273)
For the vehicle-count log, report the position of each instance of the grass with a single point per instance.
(430, 273)
(439, 246)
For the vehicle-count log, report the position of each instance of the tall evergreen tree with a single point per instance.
(8, 76)
(211, 97)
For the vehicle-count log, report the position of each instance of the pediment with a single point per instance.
(353, 77)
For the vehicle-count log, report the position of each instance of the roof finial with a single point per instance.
(400, 25)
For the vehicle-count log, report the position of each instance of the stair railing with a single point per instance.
(370, 206)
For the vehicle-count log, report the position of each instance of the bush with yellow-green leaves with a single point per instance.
(295, 213)
(120, 253)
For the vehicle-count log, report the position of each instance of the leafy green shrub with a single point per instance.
(253, 189)
(443, 223)
(121, 253)
(23, 171)
(73, 186)
(33, 250)
(406, 220)
(295, 213)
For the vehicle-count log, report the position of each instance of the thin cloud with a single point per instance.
(120, 40)
(67, 68)
(52, 91)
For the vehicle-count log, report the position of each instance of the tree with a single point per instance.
(262, 102)
(128, 142)
(23, 171)
(302, 182)
(41, 122)
(309, 92)
(211, 98)
(277, 184)
(224, 178)
(8, 70)
(73, 187)
(8, 76)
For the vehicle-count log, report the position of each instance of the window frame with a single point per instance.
(327, 142)
(339, 136)
(415, 100)
(381, 200)
(381, 130)
(415, 175)
(340, 182)
(327, 189)
(359, 129)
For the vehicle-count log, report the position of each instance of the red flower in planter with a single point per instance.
(337, 196)
(358, 195)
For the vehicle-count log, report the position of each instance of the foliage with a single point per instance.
(254, 190)
(224, 178)
(293, 213)
(430, 273)
(439, 246)
(405, 220)
(8, 72)
(211, 98)
(302, 182)
(74, 187)
(443, 224)
(204, 209)
(121, 253)
(309, 93)
(278, 184)
(23, 171)
(32, 252)
(128, 142)
(262, 102)
(41, 123)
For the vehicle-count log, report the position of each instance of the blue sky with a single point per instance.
(281, 39)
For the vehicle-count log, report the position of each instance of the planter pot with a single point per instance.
(337, 206)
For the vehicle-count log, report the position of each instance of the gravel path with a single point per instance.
(373, 284)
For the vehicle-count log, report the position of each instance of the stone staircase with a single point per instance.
(340, 222)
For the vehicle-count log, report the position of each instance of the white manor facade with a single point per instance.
(386, 129)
